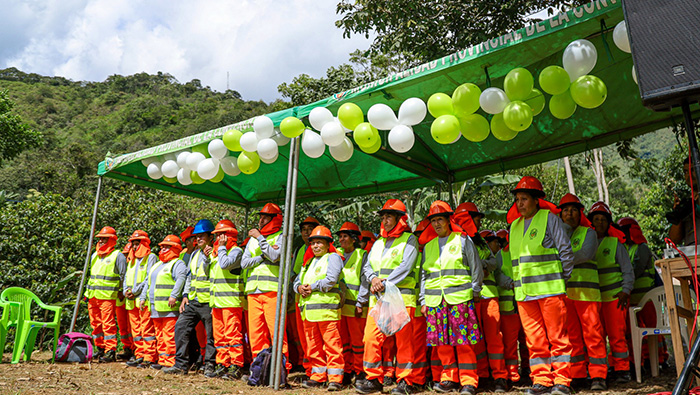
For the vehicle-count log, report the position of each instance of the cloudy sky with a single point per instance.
(261, 43)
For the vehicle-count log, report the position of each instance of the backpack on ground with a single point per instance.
(74, 347)
(260, 369)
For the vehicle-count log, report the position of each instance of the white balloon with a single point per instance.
(333, 134)
(401, 138)
(183, 177)
(208, 168)
(312, 144)
(194, 159)
(217, 149)
(620, 37)
(267, 149)
(579, 58)
(412, 111)
(634, 75)
(169, 168)
(493, 100)
(230, 165)
(319, 117)
(263, 127)
(382, 117)
(249, 142)
(170, 156)
(182, 160)
(147, 161)
(153, 170)
(280, 139)
(342, 152)
(269, 161)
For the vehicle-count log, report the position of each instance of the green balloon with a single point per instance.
(170, 180)
(248, 162)
(196, 179)
(350, 115)
(232, 139)
(517, 115)
(372, 149)
(518, 84)
(202, 149)
(366, 135)
(440, 104)
(445, 129)
(554, 80)
(562, 106)
(588, 91)
(536, 101)
(474, 127)
(219, 176)
(500, 130)
(465, 99)
(292, 127)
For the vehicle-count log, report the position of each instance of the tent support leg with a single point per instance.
(87, 257)
(692, 143)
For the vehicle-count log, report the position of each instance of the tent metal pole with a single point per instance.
(87, 257)
(287, 257)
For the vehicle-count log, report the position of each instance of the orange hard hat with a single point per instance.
(439, 208)
(600, 208)
(393, 206)
(570, 198)
(171, 240)
(627, 221)
(349, 227)
(502, 234)
(107, 231)
(309, 221)
(139, 235)
(367, 235)
(187, 233)
(321, 232)
(473, 211)
(271, 209)
(422, 225)
(225, 225)
(530, 185)
(488, 235)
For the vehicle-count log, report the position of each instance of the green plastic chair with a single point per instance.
(27, 329)
(11, 312)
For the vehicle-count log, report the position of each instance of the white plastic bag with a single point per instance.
(390, 312)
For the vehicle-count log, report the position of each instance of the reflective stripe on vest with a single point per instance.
(104, 281)
(352, 273)
(584, 284)
(506, 297)
(488, 287)
(135, 274)
(609, 271)
(319, 306)
(199, 284)
(384, 265)
(263, 277)
(537, 270)
(447, 276)
(164, 287)
(226, 288)
(643, 283)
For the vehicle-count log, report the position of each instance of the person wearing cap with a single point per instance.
(318, 286)
(367, 239)
(583, 300)
(542, 262)
(353, 313)
(451, 276)
(261, 259)
(162, 296)
(128, 345)
(190, 244)
(392, 258)
(139, 261)
(616, 279)
(195, 304)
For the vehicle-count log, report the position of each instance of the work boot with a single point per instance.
(126, 354)
(388, 380)
(109, 356)
(560, 389)
(446, 386)
(334, 387)
(145, 365)
(311, 384)
(219, 371)
(174, 370)
(210, 370)
(368, 386)
(156, 366)
(234, 373)
(404, 389)
(100, 352)
(622, 377)
(468, 390)
(538, 389)
(500, 386)
(360, 376)
(134, 362)
(598, 384)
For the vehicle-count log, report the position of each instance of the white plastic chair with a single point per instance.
(663, 327)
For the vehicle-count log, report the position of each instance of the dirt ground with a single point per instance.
(42, 377)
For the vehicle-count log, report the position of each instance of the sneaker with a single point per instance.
(598, 384)
(109, 356)
(100, 352)
(156, 366)
(126, 354)
(404, 389)
(538, 389)
(622, 377)
(134, 362)
(559, 389)
(174, 370)
(211, 370)
(368, 386)
(501, 386)
(468, 390)
(311, 384)
(388, 380)
(334, 387)
(195, 366)
(145, 365)
(234, 373)
(446, 386)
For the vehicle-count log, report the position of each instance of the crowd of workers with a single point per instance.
(488, 308)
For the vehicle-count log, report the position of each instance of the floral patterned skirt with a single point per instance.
(452, 325)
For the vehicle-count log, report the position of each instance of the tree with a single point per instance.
(15, 136)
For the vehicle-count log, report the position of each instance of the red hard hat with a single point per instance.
(271, 209)
(309, 221)
(530, 185)
(107, 231)
(627, 221)
(422, 225)
(463, 207)
(473, 211)
(503, 234)
(367, 235)
(488, 234)
(321, 232)
(225, 225)
(349, 227)
(393, 206)
(570, 198)
(139, 235)
(187, 233)
(600, 208)
(171, 240)
(439, 208)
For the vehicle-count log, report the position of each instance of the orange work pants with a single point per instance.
(435, 364)
(388, 354)
(459, 368)
(544, 323)
(143, 334)
(165, 333)
(325, 351)
(104, 326)
(420, 350)
(588, 355)
(124, 328)
(374, 340)
(489, 314)
(615, 324)
(261, 324)
(510, 328)
(296, 352)
(302, 339)
(227, 323)
(351, 331)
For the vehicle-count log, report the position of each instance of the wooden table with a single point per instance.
(670, 269)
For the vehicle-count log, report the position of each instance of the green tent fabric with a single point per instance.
(535, 47)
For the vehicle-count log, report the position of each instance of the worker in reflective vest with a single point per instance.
(542, 262)
(392, 258)
(616, 278)
(305, 228)
(198, 337)
(320, 302)
(139, 262)
(128, 346)
(583, 301)
(262, 261)
(195, 304)
(107, 270)
(367, 239)
(162, 296)
(227, 300)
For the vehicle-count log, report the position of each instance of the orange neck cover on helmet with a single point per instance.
(231, 241)
(398, 230)
(273, 226)
(169, 255)
(107, 248)
(143, 250)
(514, 214)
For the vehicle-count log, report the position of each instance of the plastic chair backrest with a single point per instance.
(658, 297)
(22, 296)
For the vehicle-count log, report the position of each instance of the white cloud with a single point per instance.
(260, 43)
